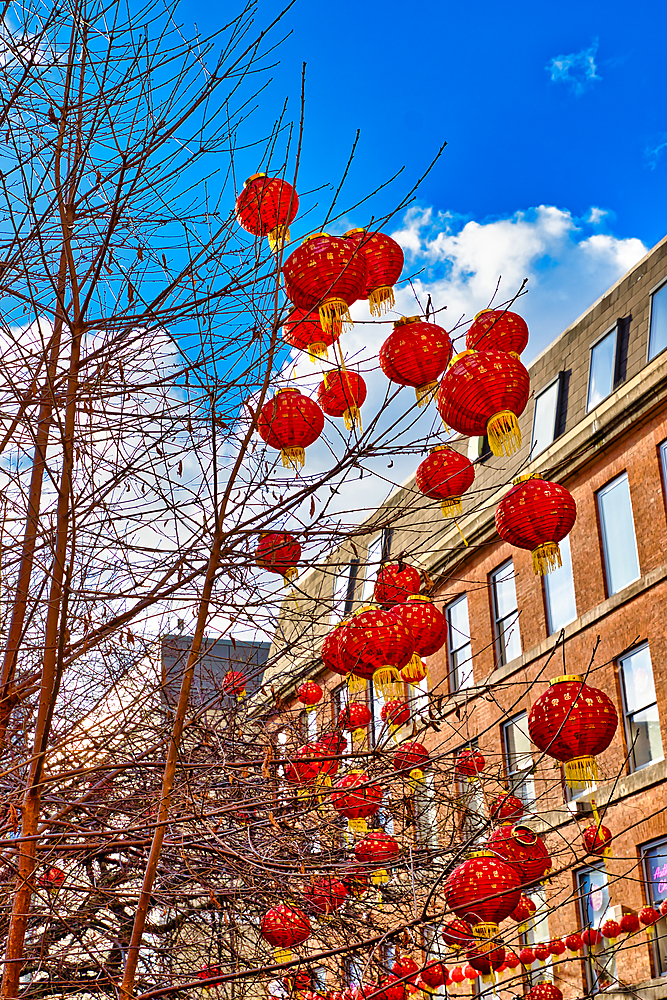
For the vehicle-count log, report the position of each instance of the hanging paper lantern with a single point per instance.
(470, 973)
(457, 934)
(512, 960)
(406, 968)
(389, 988)
(457, 975)
(416, 354)
(523, 910)
(486, 957)
(483, 890)
(413, 757)
(309, 693)
(333, 742)
(52, 879)
(556, 947)
(415, 671)
(355, 881)
(384, 263)
(326, 894)
(284, 927)
(573, 722)
(332, 656)
(484, 393)
(611, 929)
(340, 394)
(596, 839)
(523, 849)
(299, 982)
(433, 975)
(396, 582)
(377, 848)
(498, 330)
(355, 717)
(265, 207)
(630, 923)
(469, 764)
(377, 644)
(395, 713)
(233, 683)
(315, 754)
(278, 552)
(301, 771)
(328, 274)
(649, 915)
(526, 957)
(290, 422)
(426, 622)
(506, 807)
(574, 942)
(209, 972)
(537, 515)
(591, 937)
(541, 951)
(356, 798)
(445, 475)
(302, 329)
(544, 990)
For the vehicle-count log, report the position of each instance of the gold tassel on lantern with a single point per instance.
(387, 680)
(335, 315)
(503, 433)
(294, 458)
(278, 237)
(357, 826)
(451, 507)
(355, 685)
(381, 300)
(352, 418)
(581, 772)
(546, 558)
(317, 351)
(485, 930)
(282, 955)
(425, 393)
(291, 573)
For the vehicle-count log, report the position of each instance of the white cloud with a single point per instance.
(655, 149)
(577, 70)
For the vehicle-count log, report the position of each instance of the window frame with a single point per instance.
(499, 640)
(547, 602)
(454, 680)
(384, 537)
(614, 328)
(652, 292)
(351, 570)
(559, 394)
(592, 967)
(603, 534)
(632, 765)
(658, 969)
(520, 777)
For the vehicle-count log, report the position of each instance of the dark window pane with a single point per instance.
(658, 335)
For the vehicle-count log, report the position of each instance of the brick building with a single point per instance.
(596, 422)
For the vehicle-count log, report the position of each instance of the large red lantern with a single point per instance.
(416, 354)
(384, 263)
(522, 848)
(290, 422)
(483, 890)
(395, 713)
(411, 756)
(278, 552)
(377, 644)
(445, 475)
(469, 764)
(394, 583)
(284, 927)
(629, 923)
(573, 722)
(326, 273)
(537, 515)
(597, 839)
(302, 329)
(325, 895)
(266, 206)
(356, 798)
(457, 934)
(332, 656)
(406, 968)
(506, 807)
(498, 330)
(574, 942)
(426, 622)
(485, 392)
(376, 848)
(341, 394)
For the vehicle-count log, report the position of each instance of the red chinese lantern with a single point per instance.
(355, 881)
(290, 422)
(537, 515)
(377, 644)
(416, 354)
(469, 764)
(556, 947)
(396, 582)
(663, 907)
(434, 975)
(315, 754)
(209, 972)
(498, 330)
(522, 848)
(457, 975)
(303, 330)
(512, 960)
(526, 956)
(574, 942)
(301, 772)
(457, 934)
(326, 894)
(541, 951)
(470, 973)
(233, 683)
(484, 393)
(384, 263)
(445, 475)
(376, 848)
(573, 722)
(299, 982)
(591, 937)
(52, 879)
(332, 656)
(506, 807)
(486, 957)
(356, 798)
(413, 757)
(389, 988)
(649, 915)
(483, 890)
(354, 718)
(266, 206)
(310, 693)
(426, 622)
(284, 927)
(630, 923)
(326, 273)
(544, 990)
(596, 839)
(611, 929)
(406, 968)
(523, 910)
(341, 394)
(395, 713)
(278, 552)
(415, 671)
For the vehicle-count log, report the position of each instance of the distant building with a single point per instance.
(217, 657)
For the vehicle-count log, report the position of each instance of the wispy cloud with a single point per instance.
(577, 70)
(655, 149)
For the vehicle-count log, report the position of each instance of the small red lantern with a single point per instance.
(299, 982)
(415, 671)
(377, 644)
(356, 798)
(389, 988)
(483, 890)
(486, 957)
(376, 848)
(266, 206)
(485, 392)
(556, 947)
(52, 879)
(233, 683)
(611, 929)
(457, 975)
(457, 934)
(574, 942)
(395, 713)
(396, 582)
(469, 764)
(341, 394)
(541, 951)
(523, 910)
(426, 622)
(310, 693)
(406, 968)
(354, 718)
(209, 972)
(498, 330)
(591, 937)
(537, 515)
(278, 552)
(416, 354)
(630, 923)
(332, 656)
(522, 848)
(290, 422)
(326, 273)
(506, 807)
(314, 754)
(303, 330)
(445, 475)
(284, 927)
(434, 975)
(384, 262)
(512, 960)
(470, 973)
(526, 957)
(573, 722)
(596, 839)
(412, 756)
(326, 894)
(649, 915)
(544, 990)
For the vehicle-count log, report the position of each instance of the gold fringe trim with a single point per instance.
(388, 681)
(546, 558)
(581, 772)
(358, 735)
(317, 351)
(451, 507)
(415, 670)
(278, 237)
(352, 418)
(425, 393)
(380, 876)
(357, 826)
(503, 433)
(293, 458)
(485, 930)
(291, 573)
(335, 316)
(282, 955)
(355, 685)
(381, 300)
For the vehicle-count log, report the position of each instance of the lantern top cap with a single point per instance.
(287, 388)
(420, 597)
(356, 229)
(404, 320)
(480, 854)
(564, 678)
(525, 477)
(313, 236)
(437, 447)
(253, 177)
(481, 313)
(461, 354)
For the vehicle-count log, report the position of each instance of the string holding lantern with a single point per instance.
(384, 263)
(484, 393)
(265, 207)
(445, 475)
(395, 583)
(483, 890)
(284, 927)
(341, 394)
(537, 515)
(356, 798)
(310, 694)
(469, 764)
(416, 354)
(377, 645)
(278, 552)
(498, 330)
(302, 329)
(326, 273)
(234, 684)
(290, 422)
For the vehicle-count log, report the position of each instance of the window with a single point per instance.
(640, 710)
(378, 551)
(343, 590)
(657, 339)
(559, 592)
(376, 704)
(308, 725)
(474, 826)
(618, 535)
(458, 645)
(546, 417)
(339, 699)
(418, 697)
(537, 932)
(506, 613)
(654, 863)
(426, 812)
(519, 759)
(593, 909)
(602, 370)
